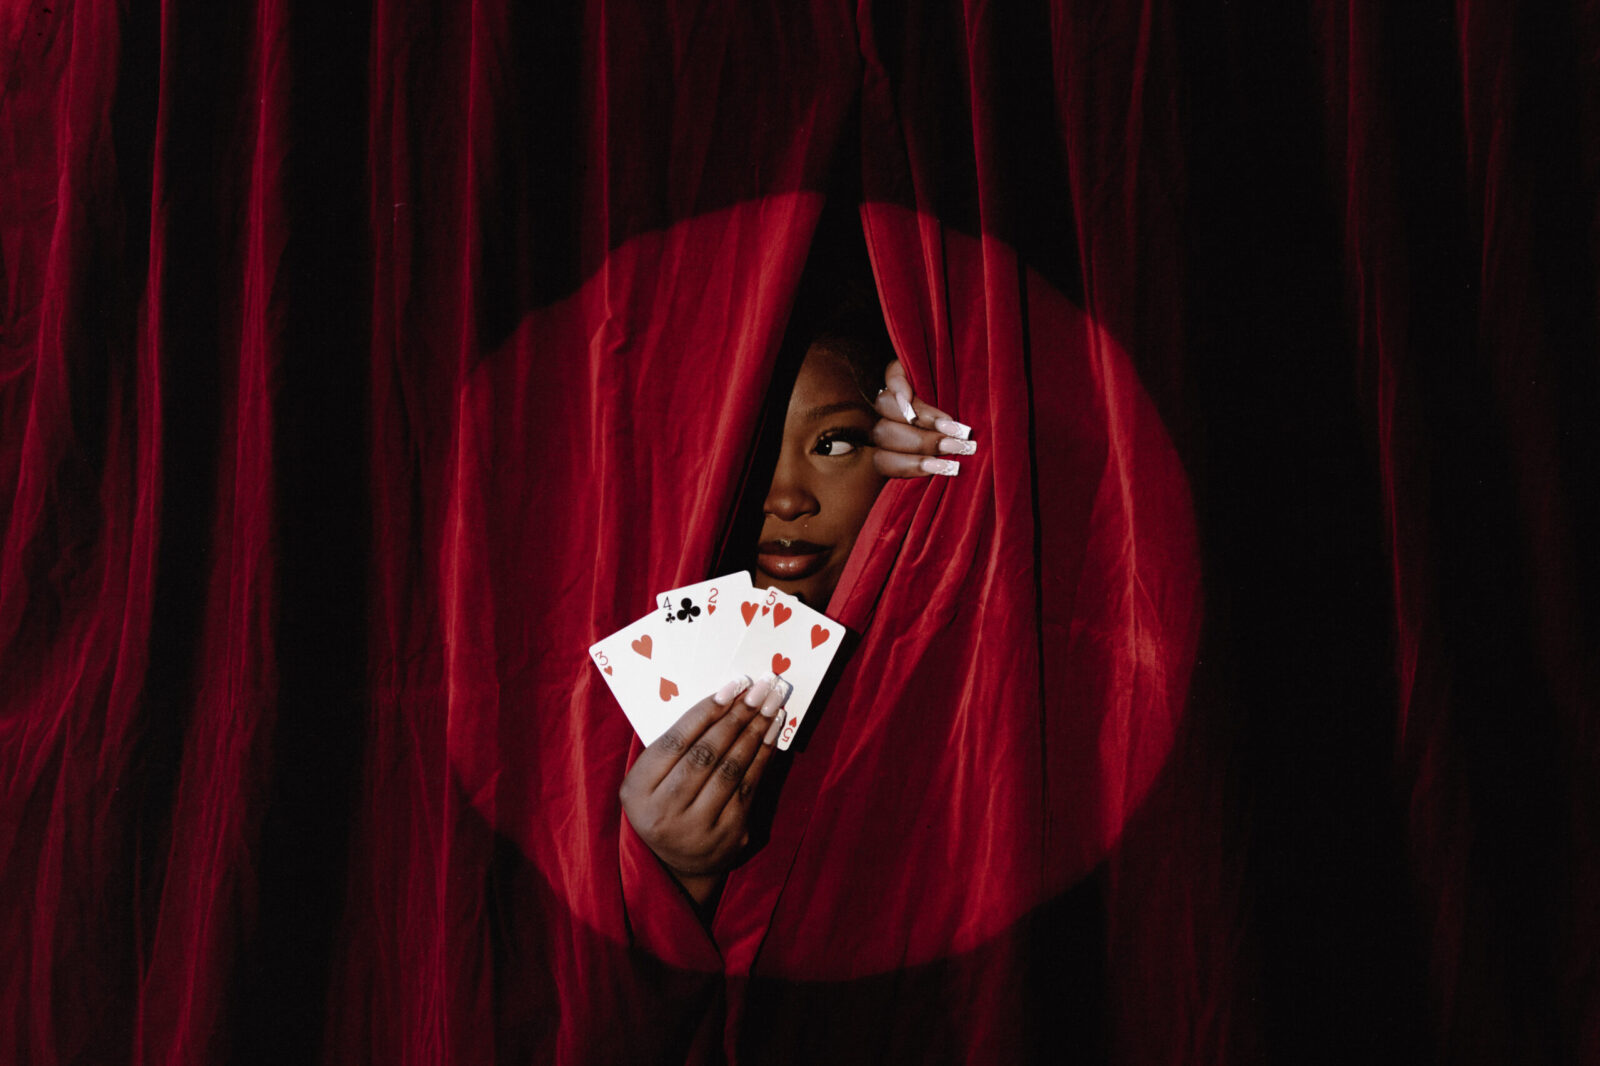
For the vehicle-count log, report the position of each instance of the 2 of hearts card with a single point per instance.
(699, 636)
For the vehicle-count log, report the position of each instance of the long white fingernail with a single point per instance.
(947, 467)
(952, 446)
(758, 691)
(773, 730)
(724, 695)
(951, 428)
(905, 406)
(776, 698)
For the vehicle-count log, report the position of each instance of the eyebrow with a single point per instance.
(815, 413)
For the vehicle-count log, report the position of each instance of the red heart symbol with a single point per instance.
(642, 645)
(779, 663)
(608, 669)
(711, 608)
(780, 615)
(818, 635)
(668, 690)
(749, 612)
(766, 608)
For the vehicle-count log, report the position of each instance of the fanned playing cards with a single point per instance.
(699, 636)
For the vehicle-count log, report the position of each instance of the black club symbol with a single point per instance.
(688, 611)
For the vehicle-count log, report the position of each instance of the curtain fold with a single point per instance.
(1468, 232)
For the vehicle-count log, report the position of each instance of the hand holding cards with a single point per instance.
(699, 636)
(689, 800)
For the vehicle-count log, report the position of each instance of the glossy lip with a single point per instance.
(790, 560)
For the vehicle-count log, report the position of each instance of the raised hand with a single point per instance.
(913, 439)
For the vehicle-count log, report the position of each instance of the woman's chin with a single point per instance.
(814, 592)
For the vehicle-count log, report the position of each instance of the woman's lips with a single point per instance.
(790, 560)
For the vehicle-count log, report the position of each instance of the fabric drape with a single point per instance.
(360, 366)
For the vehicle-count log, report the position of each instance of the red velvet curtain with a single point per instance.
(362, 366)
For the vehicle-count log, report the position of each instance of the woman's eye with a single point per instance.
(837, 445)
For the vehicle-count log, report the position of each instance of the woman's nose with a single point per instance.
(789, 498)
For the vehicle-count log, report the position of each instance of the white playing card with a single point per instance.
(785, 637)
(709, 612)
(644, 664)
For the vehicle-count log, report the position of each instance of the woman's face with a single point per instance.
(824, 484)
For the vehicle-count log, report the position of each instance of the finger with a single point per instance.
(930, 417)
(900, 464)
(684, 781)
(914, 412)
(887, 405)
(663, 754)
(897, 387)
(900, 450)
(894, 376)
(739, 803)
(898, 437)
(730, 772)
(895, 401)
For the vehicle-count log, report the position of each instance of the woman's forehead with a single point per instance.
(826, 380)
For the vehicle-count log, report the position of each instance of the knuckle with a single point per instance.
(701, 756)
(730, 770)
(672, 741)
